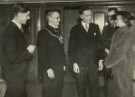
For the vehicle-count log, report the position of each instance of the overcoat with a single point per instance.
(121, 60)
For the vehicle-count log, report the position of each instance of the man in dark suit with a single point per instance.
(51, 56)
(83, 44)
(16, 52)
(108, 32)
(109, 28)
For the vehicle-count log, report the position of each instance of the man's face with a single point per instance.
(54, 19)
(110, 14)
(23, 17)
(86, 16)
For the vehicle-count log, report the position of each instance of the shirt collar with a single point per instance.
(84, 24)
(17, 24)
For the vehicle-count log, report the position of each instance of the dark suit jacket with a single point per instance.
(84, 45)
(50, 50)
(14, 52)
(108, 32)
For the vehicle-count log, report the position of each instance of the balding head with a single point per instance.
(53, 18)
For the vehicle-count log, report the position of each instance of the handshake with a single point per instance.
(107, 72)
(31, 48)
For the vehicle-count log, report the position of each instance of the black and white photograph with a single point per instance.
(67, 48)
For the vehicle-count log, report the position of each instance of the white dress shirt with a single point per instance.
(85, 26)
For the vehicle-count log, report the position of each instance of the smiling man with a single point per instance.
(83, 46)
(16, 52)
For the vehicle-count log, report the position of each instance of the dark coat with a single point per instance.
(108, 32)
(14, 51)
(121, 60)
(50, 50)
(83, 45)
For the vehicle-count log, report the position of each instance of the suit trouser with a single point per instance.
(87, 82)
(16, 88)
(16, 80)
(54, 87)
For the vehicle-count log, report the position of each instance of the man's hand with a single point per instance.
(107, 51)
(100, 65)
(50, 73)
(31, 48)
(76, 68)
(2, 80)
(64, 68)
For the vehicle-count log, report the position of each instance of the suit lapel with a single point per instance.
(20, 33)
(90, 30)
(82, 28)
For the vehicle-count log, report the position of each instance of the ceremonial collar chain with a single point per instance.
(59, 37)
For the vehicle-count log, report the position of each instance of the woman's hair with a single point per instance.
(126, 16)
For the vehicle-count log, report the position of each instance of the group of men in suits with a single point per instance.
(84, 44)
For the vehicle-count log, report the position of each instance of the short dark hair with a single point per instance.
(82, 9)
(19, 7)
(113, 9)
(49, 12)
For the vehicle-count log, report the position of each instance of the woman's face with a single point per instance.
(119, 21)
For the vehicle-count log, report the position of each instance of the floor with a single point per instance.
(34, 90)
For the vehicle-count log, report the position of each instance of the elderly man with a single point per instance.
(51, 56)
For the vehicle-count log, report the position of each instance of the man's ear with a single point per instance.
(81, 16)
